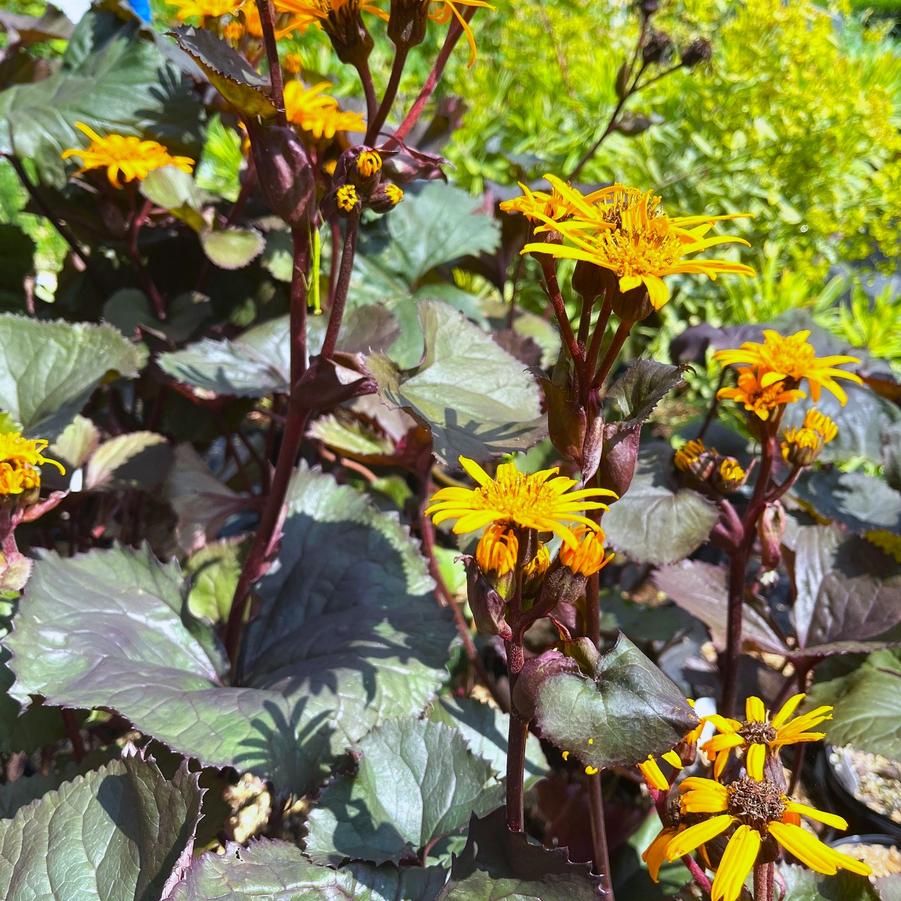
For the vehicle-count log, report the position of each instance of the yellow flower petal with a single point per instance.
(755, 757)
(736, 864)
(689, 839)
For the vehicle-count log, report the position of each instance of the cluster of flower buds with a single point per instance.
(801, 446)
(707, 467)
(359, 183)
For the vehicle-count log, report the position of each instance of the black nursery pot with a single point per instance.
(841, 782)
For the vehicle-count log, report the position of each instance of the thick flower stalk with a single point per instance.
(124, 156)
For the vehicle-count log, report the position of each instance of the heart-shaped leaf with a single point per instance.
(626, 711)
(656, 521)
(416, 782)
(477, 400)
(116, 834)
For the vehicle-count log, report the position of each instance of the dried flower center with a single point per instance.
(755, 803)
(757, 733)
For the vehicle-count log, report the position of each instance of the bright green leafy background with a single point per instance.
(348, 635)
(49, 369)
(115, 834)
(477, 400)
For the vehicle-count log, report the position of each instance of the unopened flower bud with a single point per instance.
(349, 36)
(498, 549)
(800, 447)
(696, 460)
(589, 556)
(657, 47)
(770, 529)
(728, 476)
(385, 197)
(698, 51)
(285, 172)
(407, 22)
(535, 569)
(347, 199)
(647, 8)
(487, 605)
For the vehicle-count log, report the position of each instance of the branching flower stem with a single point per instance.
(267, 20)
(397, 71)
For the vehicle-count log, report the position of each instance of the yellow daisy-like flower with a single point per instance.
(790, 360)
(627, 232)
(329, 14)
(760, 735)
(761, 400)
(689, 455)
(251, 14)
(589, 556)
(369, 163)
(543, 501)
(347, 198)
(203, 9)
(20, 462)
(757, 810)
(442, 11)
(885, 541)
(318, 113)
(125, 156)
(498, 549)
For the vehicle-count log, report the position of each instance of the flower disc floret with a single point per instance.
(543, 501)
(590, 555)
(498, 549)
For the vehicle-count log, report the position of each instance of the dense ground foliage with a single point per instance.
(449, 450)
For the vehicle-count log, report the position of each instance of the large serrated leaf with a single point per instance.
(235, 79)
(700, 588)
(114, 79)
(866, 705)
(117, 834)
(485, 729)
(416, 781)
(349, 635)
(437, 225)
(49, 369)
(626, 711)
(278, 871)
(258, 363)
(499, 864)
(847, 591)
(477, 400)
